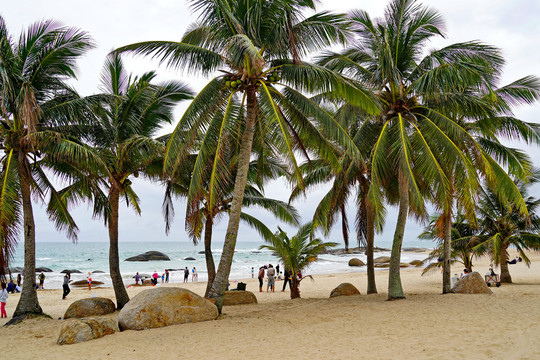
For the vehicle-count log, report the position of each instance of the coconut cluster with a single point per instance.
(273, 76)
(233, 82)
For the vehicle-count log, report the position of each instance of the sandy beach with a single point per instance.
(426, 325)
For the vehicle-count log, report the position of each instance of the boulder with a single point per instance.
(403, 265)
(417, 263)
(344, 289)
(189, 258)
(471, 284)
(76, 331)
(201, 252)
(90, 307)
(98, 272)
(356, 262)
(239, 297)
(150, 256)
(43, 269)
(385, 265)
(70, 271)
(381, 260)
(16, 270)
(85, 283)
(162, 306)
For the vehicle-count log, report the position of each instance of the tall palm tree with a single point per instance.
(503, 226)
(200, 217)
(121, 135)
(415, 140)
(36, 108)
(298, 252)
(258, 48)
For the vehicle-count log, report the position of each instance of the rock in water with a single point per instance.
(471, 284)
(43, 269)
(344, 289)
(189, 258)
(165, 306)
(149, 256)
(76, 331)
(74, 271)
(90, 307)
(356, 262)
(98, 272)
(85, 283)
(239, 297)
(381, 260)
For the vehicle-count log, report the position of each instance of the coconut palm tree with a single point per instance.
(257, 46)
(415, 140)
(200, 217)
(36, 108)
(121, 135)
(298, 252)
(503, 226)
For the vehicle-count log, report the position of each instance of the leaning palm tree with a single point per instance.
(36, 108)
(257, 46)
(200, 217)
(503, 226)
(415, 139)
(122, 137)
(298, 252)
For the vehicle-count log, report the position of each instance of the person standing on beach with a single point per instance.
(67, 280)
(166, 275)
(186, 274)
(261, 277)
(252, 272)
(286, 279)
(41, 278)
(194, 275)
(270, 278)
(3, 300)
(89, 281)
(19, 279)
(155, 277)
(137, 278)
(277, 270)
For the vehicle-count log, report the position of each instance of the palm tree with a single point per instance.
(503, 226)
(36, 108)
(200, 216)
(298, 252)
(252, 44)
(122, 137)
(415, 140)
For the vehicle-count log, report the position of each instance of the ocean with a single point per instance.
(91, 256)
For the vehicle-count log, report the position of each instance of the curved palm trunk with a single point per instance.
(505, 273)
(222, 275)
(447, 288)
(120, 292)
(210, 266)
(28, 302)
(370, 241)
(295, 289)
(395, 290)
(344, 227)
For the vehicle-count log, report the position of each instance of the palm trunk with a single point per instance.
(505, 274)
(295, 289)
(120, 292)
(222, 275)
(370, 241)
(28, 302)
(210, 266)
(344, 227)
(395, 290)
(447, 288)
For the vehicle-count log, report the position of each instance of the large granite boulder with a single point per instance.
(381, 265)
(90, 307)
(239, 297)
(356, 262)
(417, 263)
(472, 283)
(85, 283)
(16, 270)
(344, 289)
(150, 256)
(160, 307)
(73, 271)
(98, 272)
(43, 269)
(381, 260)
(190, 258)
(76, 331)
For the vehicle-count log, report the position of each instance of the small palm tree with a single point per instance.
(37, 107)
(298, 252)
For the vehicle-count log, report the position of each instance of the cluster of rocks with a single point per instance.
(384, 262)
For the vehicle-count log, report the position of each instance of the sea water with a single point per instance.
(91, 256)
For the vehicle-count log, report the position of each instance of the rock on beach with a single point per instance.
(239, 297)
(471, 284)
(356, 262)
(344, 289)
(160, 307)
(90, 307)
(76, 331)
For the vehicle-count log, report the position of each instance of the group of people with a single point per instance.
(165, 276)
(272, 274)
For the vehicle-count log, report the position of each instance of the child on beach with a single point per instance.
(89, 281)
(3, 300)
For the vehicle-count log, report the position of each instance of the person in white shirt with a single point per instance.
(3, 300)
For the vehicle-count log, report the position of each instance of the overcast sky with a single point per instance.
(512, 26)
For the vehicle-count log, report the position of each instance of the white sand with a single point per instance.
(427, 325)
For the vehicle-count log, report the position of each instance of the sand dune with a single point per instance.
(426, 325)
